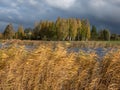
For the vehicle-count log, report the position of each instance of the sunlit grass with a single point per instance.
(49, 67)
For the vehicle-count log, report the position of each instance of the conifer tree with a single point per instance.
(9, 32)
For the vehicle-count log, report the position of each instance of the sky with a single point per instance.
(102, 13)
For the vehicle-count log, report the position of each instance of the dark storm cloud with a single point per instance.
(102, 13)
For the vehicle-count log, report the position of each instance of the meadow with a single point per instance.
(42, 65)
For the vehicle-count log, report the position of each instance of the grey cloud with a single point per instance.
(62, 4)
(103, 13)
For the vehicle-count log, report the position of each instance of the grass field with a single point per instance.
(49, 66)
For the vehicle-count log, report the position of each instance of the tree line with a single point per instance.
(71, 29)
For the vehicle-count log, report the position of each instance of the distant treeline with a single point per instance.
(71, 29)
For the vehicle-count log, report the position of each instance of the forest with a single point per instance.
(70, 29)
(67, 54)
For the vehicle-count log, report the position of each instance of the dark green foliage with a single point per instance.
(44, 30)
(107, 35)
(94, 34)
(36, 31)
(104, 35)
(28, 34)
(115, 37)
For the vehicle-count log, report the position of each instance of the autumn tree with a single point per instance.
(78, 29)
(28, 33)
(20, 32)
(87, 30)
(1, 36)
(58, 28)
(72, 29)
(62, 29)
(9, 32)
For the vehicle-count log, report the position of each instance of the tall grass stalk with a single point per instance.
(46, 68)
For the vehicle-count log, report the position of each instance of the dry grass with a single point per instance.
(46, 68)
